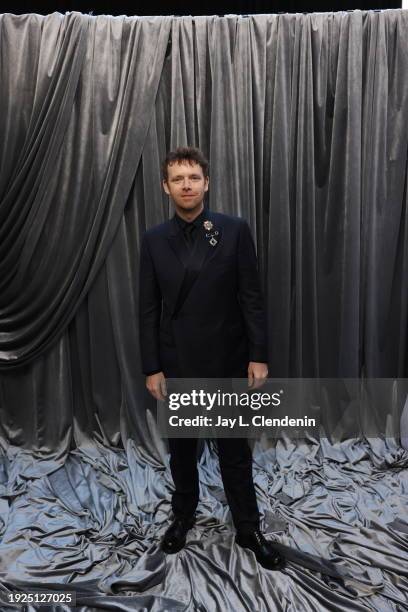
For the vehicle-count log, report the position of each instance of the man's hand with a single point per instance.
(156, 385)
(257, 373)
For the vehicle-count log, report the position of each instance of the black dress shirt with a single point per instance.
(190, 228)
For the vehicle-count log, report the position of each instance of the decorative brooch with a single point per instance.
(208, 225)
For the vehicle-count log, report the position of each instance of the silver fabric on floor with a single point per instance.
(93, 523)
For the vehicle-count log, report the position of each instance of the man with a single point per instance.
(201, 316)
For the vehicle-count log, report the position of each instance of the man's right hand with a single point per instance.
(156, 385)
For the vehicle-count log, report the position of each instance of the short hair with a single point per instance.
(190, 154)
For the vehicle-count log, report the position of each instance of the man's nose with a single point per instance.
(186, 184)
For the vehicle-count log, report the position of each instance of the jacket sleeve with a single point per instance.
(250, 296)
(150, 305)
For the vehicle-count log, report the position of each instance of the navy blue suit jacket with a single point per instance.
(201, 314)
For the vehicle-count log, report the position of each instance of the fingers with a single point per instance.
(163, 387)
(255, 383)
(156, 392)
(156, 385)
(256, 380)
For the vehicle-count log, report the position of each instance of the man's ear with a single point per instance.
(207, 180)
(165, 187)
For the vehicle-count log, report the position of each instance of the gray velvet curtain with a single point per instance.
(304, 120)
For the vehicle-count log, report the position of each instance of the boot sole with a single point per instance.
(276, 567)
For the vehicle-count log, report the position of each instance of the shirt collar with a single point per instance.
(197, 221)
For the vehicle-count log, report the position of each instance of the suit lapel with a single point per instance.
(202, 253)
(204, 250)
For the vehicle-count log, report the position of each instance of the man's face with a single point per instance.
(186, 184)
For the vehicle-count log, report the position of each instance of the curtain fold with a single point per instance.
(303, 118)
(69, 183)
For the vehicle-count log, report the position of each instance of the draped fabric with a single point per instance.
(74, 118)
(303, 118)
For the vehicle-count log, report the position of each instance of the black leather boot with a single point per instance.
(175, 537)
(265, 554)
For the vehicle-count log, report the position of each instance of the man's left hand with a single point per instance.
(257, 373)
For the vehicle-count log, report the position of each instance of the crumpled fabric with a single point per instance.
(92, 522)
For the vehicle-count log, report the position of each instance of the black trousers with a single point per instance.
(235, 459)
